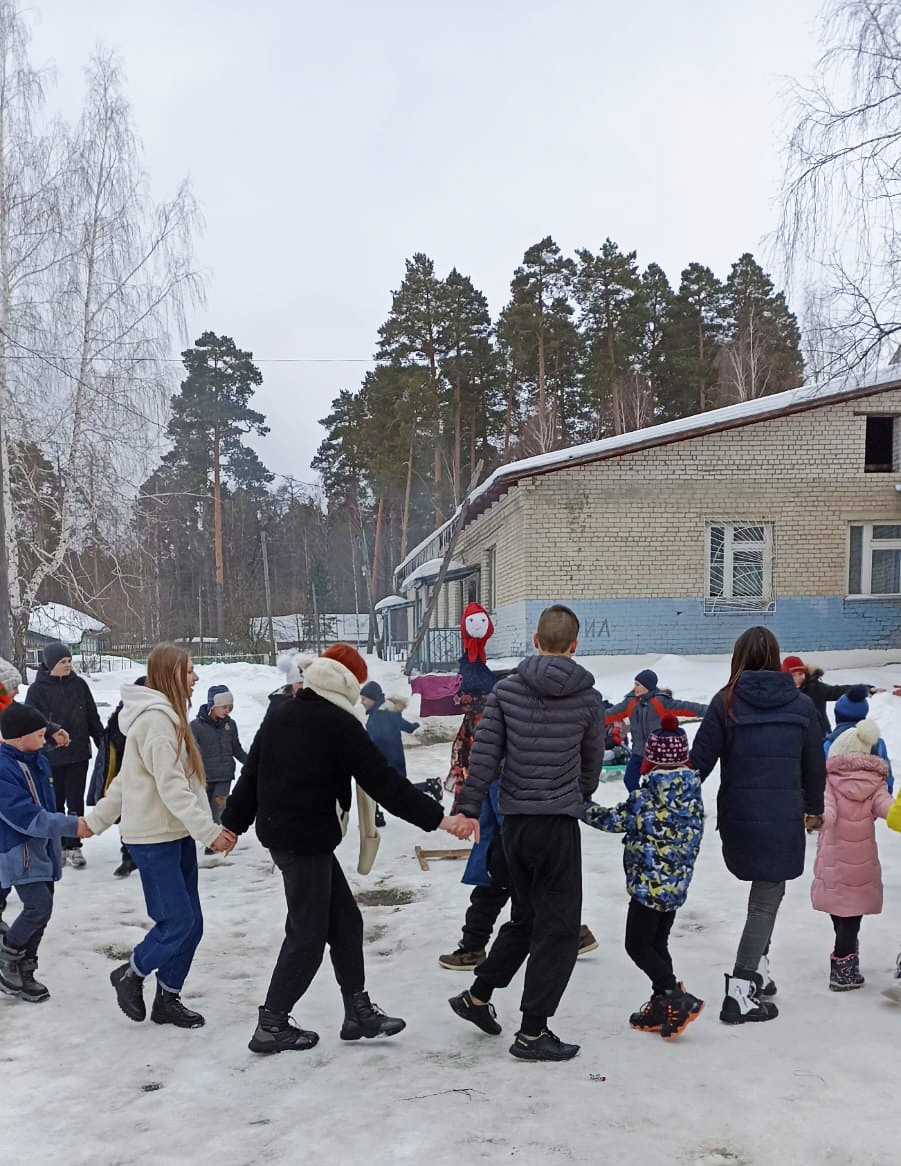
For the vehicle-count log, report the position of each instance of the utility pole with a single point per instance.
(268, 592)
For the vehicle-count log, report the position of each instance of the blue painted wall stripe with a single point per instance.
(636, 626)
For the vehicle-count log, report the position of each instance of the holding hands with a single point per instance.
(461, 827)
(225, 843)
(84, 830)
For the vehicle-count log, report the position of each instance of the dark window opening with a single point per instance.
(879, 449)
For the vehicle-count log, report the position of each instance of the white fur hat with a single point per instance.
(860, 739)
(287, 662)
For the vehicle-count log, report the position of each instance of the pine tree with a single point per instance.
(210, 416)
(415, 335)
(762, 354)
(694, 339)
(609, 291)
(541, 347)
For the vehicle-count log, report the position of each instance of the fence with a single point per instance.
(439, 651)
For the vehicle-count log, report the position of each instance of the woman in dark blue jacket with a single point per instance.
(767, 738)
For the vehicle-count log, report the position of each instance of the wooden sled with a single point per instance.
(424, 855)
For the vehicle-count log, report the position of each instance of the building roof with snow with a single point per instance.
(808, 396)
(56, 621)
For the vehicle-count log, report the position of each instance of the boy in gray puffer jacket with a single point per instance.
(542, 732)
(217, 739)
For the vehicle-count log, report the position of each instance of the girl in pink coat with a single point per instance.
(847, 877)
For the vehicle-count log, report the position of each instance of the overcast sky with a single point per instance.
(329, 142)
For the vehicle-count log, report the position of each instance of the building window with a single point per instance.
(739, 567)
(490, 579)
(470, 590)
(879, 450)
(874, 559)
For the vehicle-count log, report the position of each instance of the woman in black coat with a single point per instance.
(766, 736)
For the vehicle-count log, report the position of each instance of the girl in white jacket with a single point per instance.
(160, 796)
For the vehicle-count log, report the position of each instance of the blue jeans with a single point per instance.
(632, 776)
(27, 932)
(169, 877)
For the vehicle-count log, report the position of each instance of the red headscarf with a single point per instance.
(474, 646)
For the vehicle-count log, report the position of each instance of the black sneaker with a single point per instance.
(651, 1017)
(681, 1009)
(32, 990)
(483, 1016)
(546, 1047)
(275, 1033)
(129, 991)
(363, 1018)
(168, 1009)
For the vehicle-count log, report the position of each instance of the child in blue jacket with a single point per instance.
(385, 726)
(663, 821)
(30, 845)
(850, 709)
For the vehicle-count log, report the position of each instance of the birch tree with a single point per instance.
(117, 272)
(841, 195)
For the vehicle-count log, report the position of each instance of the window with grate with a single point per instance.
(739, 567)
(874, 559)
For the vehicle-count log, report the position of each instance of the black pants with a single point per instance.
(26, 933)
(647, 944)
(847, 929)
(545, 870)
(485, 904)
(321, 910)
(69, 783)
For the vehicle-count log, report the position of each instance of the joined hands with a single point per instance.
(461, 827)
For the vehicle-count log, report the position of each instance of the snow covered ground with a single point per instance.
(81, 1084)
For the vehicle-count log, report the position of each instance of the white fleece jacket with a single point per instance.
(152, 792)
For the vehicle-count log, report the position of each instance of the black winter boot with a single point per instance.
(10, 974)
(32, 990)
(844, 973)
(129, 991)
(125, 867)
(276, 1034)
(363, 1018)
(168, 1009)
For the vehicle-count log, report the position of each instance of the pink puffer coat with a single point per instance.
(847, 877)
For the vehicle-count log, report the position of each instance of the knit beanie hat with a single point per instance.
(18, 720)
(860, 739)
(54, 652)
(666, 746)
(287, 663)
(648, 678)
(350, 658)
(218, 696)
(793, 664)
(10, 677)
(853, 706)
(373, 691)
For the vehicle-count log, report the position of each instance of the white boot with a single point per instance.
(742, 1003)
(763, 979)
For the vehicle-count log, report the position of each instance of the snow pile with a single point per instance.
(816, 1085)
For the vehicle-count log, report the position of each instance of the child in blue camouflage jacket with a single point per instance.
(663, 821)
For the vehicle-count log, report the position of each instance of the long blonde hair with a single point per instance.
(167, 672)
